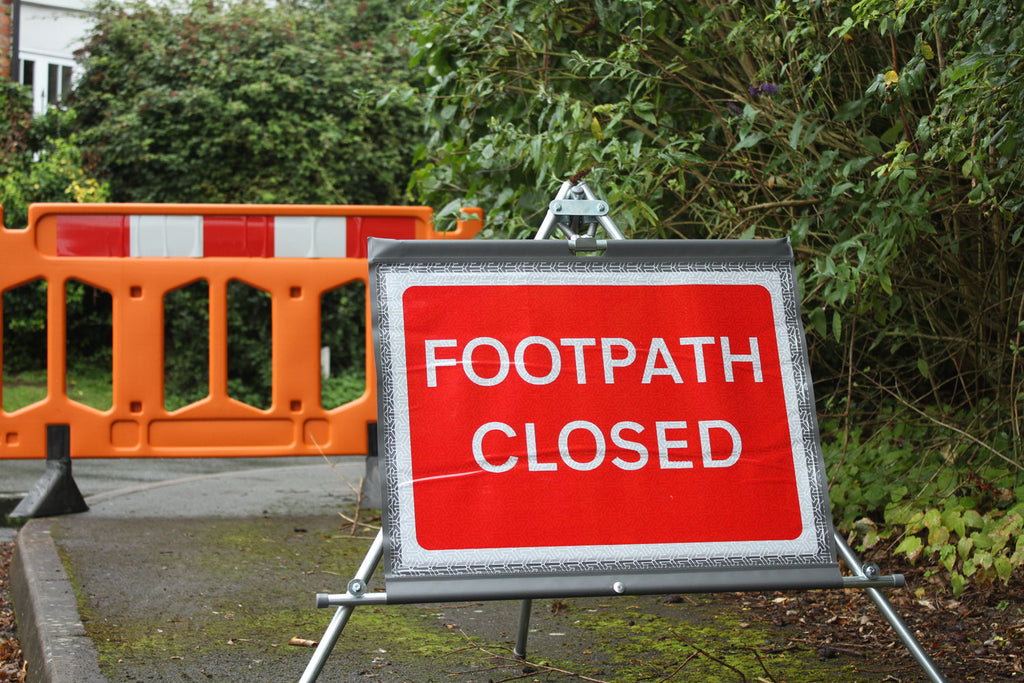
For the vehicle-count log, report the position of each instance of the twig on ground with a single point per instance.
(693, 655)
(358, 490)
(710, 656)
(530, 668)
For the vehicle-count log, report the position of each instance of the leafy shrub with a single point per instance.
(15, 118)
(245, 102)
(340, 389)
(882, 138)
(799, 119)
(40, 158)
(40, 162)
(900, 485)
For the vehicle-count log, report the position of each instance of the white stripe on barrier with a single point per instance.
(310, 236)
(166, 236)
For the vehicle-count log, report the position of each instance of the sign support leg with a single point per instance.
(340, 619)
(524, 628)
(886, 608)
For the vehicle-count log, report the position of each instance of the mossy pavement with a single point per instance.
(219, 600)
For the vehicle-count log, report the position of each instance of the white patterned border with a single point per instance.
(407, 559)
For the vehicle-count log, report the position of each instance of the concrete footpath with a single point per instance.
(211, 575)
(135, 519)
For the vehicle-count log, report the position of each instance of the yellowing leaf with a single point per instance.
(912, 546)
(927, 52)
(595, 128)
(891, 77)
(938, 536)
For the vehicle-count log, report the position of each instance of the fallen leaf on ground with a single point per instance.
(302, 642)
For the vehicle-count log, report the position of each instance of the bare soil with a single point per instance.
(978, 637)
(12, 667)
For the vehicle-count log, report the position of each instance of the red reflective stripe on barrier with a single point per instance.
(384, 226)
(239, 236)
(93, 235)
(244, 236)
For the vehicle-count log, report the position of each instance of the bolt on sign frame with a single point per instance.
(552, 424)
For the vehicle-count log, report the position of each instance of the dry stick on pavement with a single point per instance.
(496, 667)
(764, 668)
(358, 490)
(531, 668)
(459, 606)
(354, 521)
(693, 655)
(742, 676)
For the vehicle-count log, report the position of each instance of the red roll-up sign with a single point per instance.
(551, 413)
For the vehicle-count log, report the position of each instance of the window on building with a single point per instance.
(58, 83)
(28, 72)
(51, 83)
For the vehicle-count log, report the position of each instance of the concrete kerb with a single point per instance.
(51, 633)
(53, 639)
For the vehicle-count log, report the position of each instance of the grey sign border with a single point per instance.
(484, 575)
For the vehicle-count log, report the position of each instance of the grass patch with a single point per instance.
(92, 388)
(89, 386)
(23, 389)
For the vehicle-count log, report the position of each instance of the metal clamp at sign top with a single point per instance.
(576, 211)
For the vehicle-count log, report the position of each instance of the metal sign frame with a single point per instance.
(415, 573)
(577, 213)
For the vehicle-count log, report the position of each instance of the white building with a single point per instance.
(48, 33)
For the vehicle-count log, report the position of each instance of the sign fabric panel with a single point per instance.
(644, 413)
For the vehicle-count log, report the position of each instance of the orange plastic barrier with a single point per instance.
(138, 253)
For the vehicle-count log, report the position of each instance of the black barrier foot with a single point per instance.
(56, 492)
